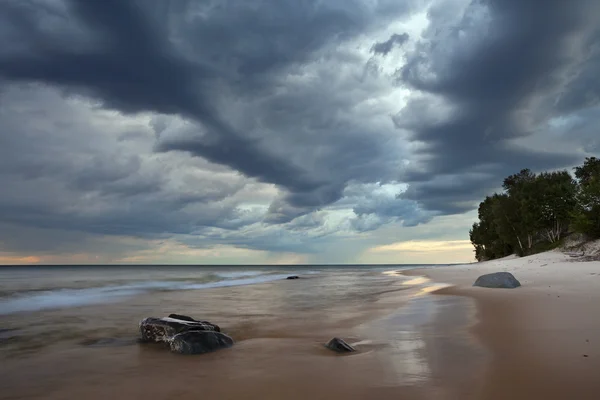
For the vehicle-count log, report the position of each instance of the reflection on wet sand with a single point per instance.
(404, 338)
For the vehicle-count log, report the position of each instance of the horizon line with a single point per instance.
(219, 265)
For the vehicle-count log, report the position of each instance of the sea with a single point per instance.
(36, 288)
(71, 332)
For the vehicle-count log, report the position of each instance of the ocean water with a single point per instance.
(31, 289)
(71, 332)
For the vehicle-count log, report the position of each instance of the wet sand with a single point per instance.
(545, 336)
(415, 341)
(412, 345)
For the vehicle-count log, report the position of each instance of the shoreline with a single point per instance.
(415, 340)
(544, 337)
(408, 344)
(279, 327)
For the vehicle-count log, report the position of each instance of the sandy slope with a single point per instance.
(545, 335)
(560, 271)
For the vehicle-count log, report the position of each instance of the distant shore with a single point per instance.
(544, 336)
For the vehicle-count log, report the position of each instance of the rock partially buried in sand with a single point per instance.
(498, 280)
(199, 342)
(293, 277)
(163, 329)
(340, 346)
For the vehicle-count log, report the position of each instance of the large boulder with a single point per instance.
(162, 329)
(198, 342)
(293, 277)
(498, 280)
(339, 345)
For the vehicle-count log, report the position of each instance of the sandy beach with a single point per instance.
(543, 336)
(414, 340)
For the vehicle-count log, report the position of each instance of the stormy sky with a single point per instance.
(280, 131)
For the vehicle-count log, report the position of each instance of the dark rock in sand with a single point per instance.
(339, 346)
(293, 277)
(162, 329)
(182, 317)
(198, 342)
(499, 280)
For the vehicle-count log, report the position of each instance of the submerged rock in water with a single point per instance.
(498, 280)
(293, 277)
(339, 345)
(162, 329)
(182, 317)
(8, 334)
(198, 342)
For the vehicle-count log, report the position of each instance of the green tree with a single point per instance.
(518, 210)
(586, 218)
(484, 234)
(535, 211)
(555, 202)
(477, 236)
(509, 222)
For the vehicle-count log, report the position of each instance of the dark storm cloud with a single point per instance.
(584, 90)
(236, 75)
(135, 58)
(387, 46)
(504, 68)
(54, 177)
(125, 60)
(280, 93)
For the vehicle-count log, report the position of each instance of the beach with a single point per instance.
(544, 337)
(421, 333)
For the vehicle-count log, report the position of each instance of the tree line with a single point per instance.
(534, 212)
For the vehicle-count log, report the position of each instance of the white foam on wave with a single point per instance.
(238, 274)
(65, 298)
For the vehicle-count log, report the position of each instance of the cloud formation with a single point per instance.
(281, 126)
(487, 75)
(385, 47)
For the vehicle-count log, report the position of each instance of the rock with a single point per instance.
(162, 329)
(183, 334)
(293, 277)
(198, 342)
(502, 280)
(339, 346)
(182, 317)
